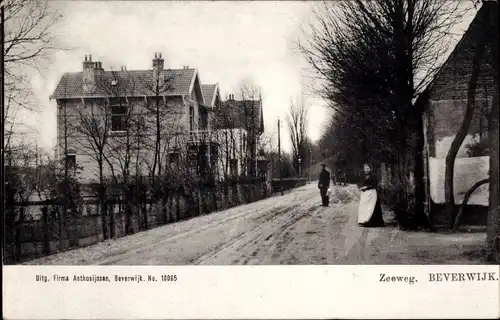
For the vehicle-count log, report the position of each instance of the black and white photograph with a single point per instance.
(260, 133)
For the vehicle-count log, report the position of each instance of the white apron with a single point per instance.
(367, 204)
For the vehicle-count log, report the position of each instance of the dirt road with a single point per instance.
(289, 229)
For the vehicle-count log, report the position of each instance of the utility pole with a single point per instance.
(279, 156)
(300, 167)
(310, 162)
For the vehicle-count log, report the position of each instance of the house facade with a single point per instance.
(239, 126)
(444, 103)
(110, 120)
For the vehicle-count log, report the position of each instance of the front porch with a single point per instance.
(203, 151)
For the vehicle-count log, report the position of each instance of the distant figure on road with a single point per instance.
(370, 211)
(323, 185)
(344, 178)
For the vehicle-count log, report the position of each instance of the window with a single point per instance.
(118, 117)
(71, 161)
(204, 119)
(174, 157)
(191, 118)
(192, 154)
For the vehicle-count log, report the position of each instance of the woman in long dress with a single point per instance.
(370, 211)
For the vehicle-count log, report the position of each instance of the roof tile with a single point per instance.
(130, 83)
(208, 92)
(238, 114)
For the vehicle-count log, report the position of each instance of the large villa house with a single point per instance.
(109, 121)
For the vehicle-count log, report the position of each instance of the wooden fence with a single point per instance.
(41, 233)
(278, 185)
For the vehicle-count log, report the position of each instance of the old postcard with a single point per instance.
(344, 154)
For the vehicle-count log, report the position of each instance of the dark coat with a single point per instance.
(370, 182)
(324, 179)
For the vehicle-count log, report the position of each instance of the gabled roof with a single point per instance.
(476, 21)
(209, 93)
(129, 83)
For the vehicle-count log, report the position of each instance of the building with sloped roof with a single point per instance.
(114, 113)
(107, 121)
(444, 104)
(240, 124)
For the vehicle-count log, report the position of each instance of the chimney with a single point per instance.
(87, 63)
(88, 75)
(158, 69)
(98, 67)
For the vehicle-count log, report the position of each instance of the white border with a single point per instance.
(249, 292)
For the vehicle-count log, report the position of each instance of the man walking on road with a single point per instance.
(323, 184)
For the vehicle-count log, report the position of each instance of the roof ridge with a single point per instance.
(452, 53)
(71, 83)
(132, 70)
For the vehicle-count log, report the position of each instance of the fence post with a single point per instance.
(46, 240)
(111, 210)
(214, 197)
(74, 225)
(18, 240)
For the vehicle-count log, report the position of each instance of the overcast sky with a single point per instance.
(227, 42)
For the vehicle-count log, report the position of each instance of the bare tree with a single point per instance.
(123, 147)
(397, 43)
(297, 122)
(250, 108)
(28, 39)
(158, 109)
(27, 27)
(479, 52)
(239, 128)
(230, 134)
(92, 130)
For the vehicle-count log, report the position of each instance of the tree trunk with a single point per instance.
(178, 204)
(112, 229)
(102, 200)
(493, 228)
(466, 199)
(462, 132)
(214, 197)
(62, 225)
(144, 211)
(128, 218)
(18, 235)
(164, 205)
(103, 210)
(129, 200)
(46, 237)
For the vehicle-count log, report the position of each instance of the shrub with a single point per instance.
(478, 148)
